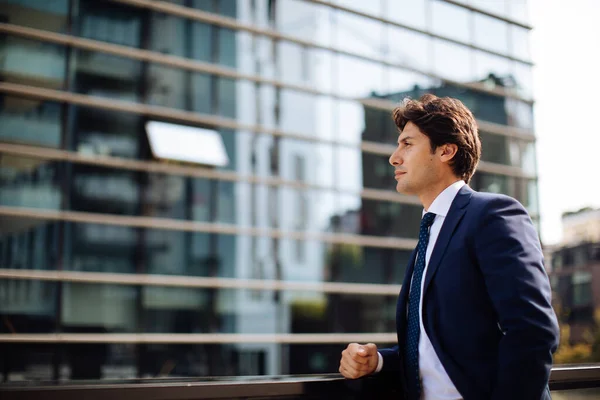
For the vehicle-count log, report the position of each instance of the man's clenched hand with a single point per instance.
(359, 360)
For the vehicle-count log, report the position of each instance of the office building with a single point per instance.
(201, 187)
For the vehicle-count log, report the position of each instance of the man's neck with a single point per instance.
(434, 191)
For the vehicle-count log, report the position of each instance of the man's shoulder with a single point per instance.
(485, 202)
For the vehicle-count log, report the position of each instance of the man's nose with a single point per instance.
(395, 159)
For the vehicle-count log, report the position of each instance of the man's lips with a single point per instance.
(399, 173)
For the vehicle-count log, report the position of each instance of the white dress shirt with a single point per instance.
(436, 383)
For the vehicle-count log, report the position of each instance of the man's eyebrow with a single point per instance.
(405, 138)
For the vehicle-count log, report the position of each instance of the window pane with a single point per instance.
(30, 182)
(373, 7)
(402, 83)
(30, 121)
(450, 21)
(358, 78)
(519, 11)
(379, 127)
(520, 42)
(495, 148)
(304, 20)
(300, 113)
(531, 196)
(49, 16)
(119, 24)
(452, 61)
(359, 35)
(491, 33)
(501, 69)
(29, 62)
(524, 80)
(27, 306)
(520, 114)
(104, 75)
(119, 308)
(409, 48)
(349, 121)
(348, 168)
(486, 182)
(37, 183)
(409, 12)
(495, 6)
(35, 245)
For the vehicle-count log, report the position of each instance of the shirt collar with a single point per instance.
(441, 204)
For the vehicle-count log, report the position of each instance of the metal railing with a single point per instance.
(563, 378)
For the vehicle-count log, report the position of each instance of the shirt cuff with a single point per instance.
(379, 363)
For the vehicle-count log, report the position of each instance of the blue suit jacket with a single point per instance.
(486, 304)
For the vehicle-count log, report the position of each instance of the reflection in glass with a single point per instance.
(519, 11)
(349, 121)
(403, 83)
(520, 113)
(27, 306)
(495, 148)
(105, 75)
(524, 79)
(377, 172)
(348, 168)
(519, 41)
(495, 7)
(108, 133)
(390, 219)
(379, 127)
(296, 63)
(452, 61)
(408, 48)
(49, 16)
(409, 12)
(450, 21)
(30, 182)
(305, 20)
(359, 35)
(120, 308)
(29, 62)
(486, 182)
(30, 244)
(528, 159)
(119, 24)
(374, 7)
(490, 33)
(530, 197)
(501, 68)
(299, 112)
(358, 78)
(321, 69)
(30, 121)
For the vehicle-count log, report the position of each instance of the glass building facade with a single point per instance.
(117, 264)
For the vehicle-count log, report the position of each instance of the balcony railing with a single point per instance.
(565, 381)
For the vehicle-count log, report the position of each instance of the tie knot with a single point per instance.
(427, 220)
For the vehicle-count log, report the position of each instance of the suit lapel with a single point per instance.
(455, 214)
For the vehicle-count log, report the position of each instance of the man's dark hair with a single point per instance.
(444, 120)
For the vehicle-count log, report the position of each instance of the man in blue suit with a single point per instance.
(474, 318)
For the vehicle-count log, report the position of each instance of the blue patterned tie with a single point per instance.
(411, 349)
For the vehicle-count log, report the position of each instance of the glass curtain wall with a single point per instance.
(183, 269)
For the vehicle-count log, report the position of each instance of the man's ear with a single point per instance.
(448, 151)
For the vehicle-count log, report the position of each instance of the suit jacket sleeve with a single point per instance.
(510, 257)
(391, 360)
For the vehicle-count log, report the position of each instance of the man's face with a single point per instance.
(416, 167)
